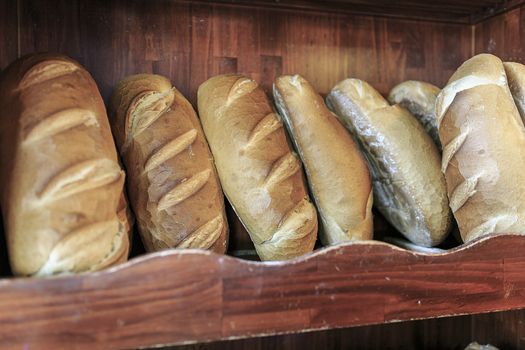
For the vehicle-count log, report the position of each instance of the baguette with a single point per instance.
(409, 188)
(420, 99)
(516, 80)
(336, 171)
(483, 149)
(172, 182)
(61, 186)
(260, 175)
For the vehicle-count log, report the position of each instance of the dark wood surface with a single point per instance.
(191, 42)
(503, 36)
(506, 330)
(194, 296)
(458, 11)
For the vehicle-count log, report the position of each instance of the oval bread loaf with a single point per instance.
(61, 185)
(409, 188)
(260, 175)
(173, 186)
(336, 171)
(483, 149)
(419, 98)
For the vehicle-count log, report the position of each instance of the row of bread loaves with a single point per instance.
(71, 214)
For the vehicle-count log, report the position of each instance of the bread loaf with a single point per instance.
(483, 149)
(261, 176)
(409, 188)
(173, 186)
(61, 187)
(335, 169)
(420, 99)
(516, 80)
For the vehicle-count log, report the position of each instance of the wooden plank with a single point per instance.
(195, 296)
(8, 32)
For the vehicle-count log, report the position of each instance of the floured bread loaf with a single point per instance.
(420, 99)
(483, 149)
(336, 171)
(260, 174)
(409, 188)
(516, 80)
(61, 184)
(172, 183)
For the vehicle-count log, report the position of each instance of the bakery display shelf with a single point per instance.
(176, 297)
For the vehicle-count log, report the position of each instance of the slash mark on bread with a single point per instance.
(183, 190)
(241, 87)
(81, 177)
(147, 108)
(46, 71)
(265, 127)
(205, 236)
(451, 148)
(282, 169)
(170, 150)
(61, 121)
(463, 192)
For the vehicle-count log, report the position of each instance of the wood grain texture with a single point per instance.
(194, 296)
(8, 32)
(503, 36)
(190, 42)
(456, 11)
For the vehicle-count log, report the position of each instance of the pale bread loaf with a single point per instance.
(483, 149)
(516, 79)
(336, 171)
(409, 188)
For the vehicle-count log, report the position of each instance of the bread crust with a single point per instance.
(484, 139)
(173, 185)
(337, 172)
(409, 188)
(419, 98)
(62, 187)
(261, 176)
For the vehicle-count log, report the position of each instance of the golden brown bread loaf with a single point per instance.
(260, 175)
(419, 98)
(173, 186)
(336, 171)
(61, 184)
(409, 188)
(516, 80)
(483, 149)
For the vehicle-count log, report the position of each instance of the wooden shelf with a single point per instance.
(177, 297)
(454, 11)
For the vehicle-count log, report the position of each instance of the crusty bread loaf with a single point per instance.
(172, 182)
(483, 149)
(516, 80)
(61, 186)
(260, 175)
(409, 188)
(420, 99)
(336, 171)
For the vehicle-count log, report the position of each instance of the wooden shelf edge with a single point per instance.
(178, 297)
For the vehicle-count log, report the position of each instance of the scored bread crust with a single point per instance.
(173, 185)
(409, 188)
(516, 80)
(336, 171)
(483, 149)
(260, 174)
(419, 98)
(62, 187)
